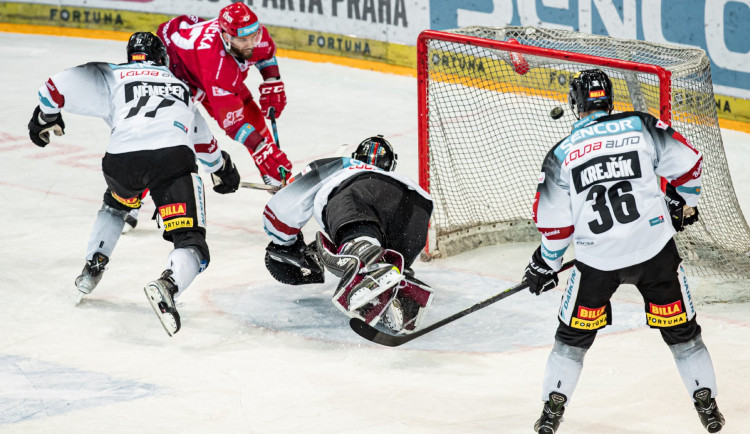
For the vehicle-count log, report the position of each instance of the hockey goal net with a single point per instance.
(485, 97)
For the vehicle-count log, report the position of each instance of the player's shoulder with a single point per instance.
(642, 117)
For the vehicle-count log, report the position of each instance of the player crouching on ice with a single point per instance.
(608, 202)
(156, 137)
(375, 224)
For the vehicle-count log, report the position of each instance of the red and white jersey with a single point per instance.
(293, 206)
(198, 57)
(144, 104)
(600, 188)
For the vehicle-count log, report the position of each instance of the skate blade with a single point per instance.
(384, 283)
(167, 319)
(79, 297)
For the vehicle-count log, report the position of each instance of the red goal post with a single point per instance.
(484, 98)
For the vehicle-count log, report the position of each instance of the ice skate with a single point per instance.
(160, 294)
(552, 414)
(709, 413)
(131, 220)
(90, 275)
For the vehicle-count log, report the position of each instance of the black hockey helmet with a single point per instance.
(145, 46)
(590, 90)
(377, 152)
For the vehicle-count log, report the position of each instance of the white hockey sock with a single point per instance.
(564, 367)
(106, 231)
(694, 365)
(185, 265)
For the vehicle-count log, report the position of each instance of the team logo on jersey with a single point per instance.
(217, 91)
(144, 89)
(606, 168)
(132, 202)
(178, 223)
(180, 126)
(172, 210)
(662, 125)
(668, 315)
(656, 220)
(233, 117)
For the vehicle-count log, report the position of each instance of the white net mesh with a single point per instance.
(487, 129)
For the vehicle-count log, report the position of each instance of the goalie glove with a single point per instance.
(294, 265)
(272, 95)
(41, 124)
(227, 179)
(539, 275)
(680, 214)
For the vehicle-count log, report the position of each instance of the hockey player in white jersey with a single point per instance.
(376, 221)
(156, 136)
(600, 190)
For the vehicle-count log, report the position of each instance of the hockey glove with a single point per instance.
(680, 214)
(294, 265)
(41, 124)
(272, 95)
(538, 275)
(271, 162)
(227, 179)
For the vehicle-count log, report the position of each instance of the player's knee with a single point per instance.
(682, 333)
(114, 211)
(575, 337)
(196, 241)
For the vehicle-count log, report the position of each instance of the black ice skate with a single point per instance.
(91, 275)
(711, 417)
(552, 414)
(160, 294)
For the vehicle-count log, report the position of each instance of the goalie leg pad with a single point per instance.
(406, 312)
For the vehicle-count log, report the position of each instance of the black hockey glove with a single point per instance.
(294, 265)
(538, 275)
(680, 215)
(227, 179)
(41, 124)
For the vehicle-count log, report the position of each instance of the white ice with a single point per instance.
(254, 356)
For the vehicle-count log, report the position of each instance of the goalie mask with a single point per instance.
(377, 152)
(590, 90)
(145, 46)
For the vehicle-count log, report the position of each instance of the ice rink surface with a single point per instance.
(254, 356)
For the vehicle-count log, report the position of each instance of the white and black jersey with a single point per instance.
(600, 189)
(293, 206)
(145, 106)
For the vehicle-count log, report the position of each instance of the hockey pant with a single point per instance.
(382, 208)
(661, 280)
(177, 192)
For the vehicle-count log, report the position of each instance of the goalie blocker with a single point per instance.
(375, 225)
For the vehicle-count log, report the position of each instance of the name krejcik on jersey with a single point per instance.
(606, 168)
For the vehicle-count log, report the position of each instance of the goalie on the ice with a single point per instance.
(376, 225)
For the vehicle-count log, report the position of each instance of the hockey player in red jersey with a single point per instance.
(599, 189)
(214, 57)
(377, 223)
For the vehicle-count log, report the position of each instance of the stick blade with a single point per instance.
(374, 335)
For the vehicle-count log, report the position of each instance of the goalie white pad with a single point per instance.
(406, 312)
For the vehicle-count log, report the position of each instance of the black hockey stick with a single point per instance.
(258, 186)
(374, 335)
(272, 116)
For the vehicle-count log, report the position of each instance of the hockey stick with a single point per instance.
(258, 186)
(374, 335)
(272, 116)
